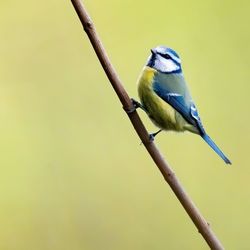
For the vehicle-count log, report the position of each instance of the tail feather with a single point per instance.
(209, 141)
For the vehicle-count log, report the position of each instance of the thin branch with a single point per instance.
(168, 174)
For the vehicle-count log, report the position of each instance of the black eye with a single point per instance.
(166, 56)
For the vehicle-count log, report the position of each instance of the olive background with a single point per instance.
(73, 174)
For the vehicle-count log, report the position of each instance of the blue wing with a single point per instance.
(195, 115)
(173, 89)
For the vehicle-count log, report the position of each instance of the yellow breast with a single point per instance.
(160, 112)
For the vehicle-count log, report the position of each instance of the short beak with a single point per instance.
(153, 51)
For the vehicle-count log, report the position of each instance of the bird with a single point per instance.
(165, 97)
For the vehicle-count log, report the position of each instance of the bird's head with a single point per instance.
(165, 60)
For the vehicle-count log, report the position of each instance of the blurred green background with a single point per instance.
(73, 174)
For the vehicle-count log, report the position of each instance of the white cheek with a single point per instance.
(166, 65)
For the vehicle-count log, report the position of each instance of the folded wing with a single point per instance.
(172, 88)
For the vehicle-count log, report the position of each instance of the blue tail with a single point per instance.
(209, 141)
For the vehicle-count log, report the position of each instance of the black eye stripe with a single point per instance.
(167, 56)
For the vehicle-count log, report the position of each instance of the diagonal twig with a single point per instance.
(168, 174)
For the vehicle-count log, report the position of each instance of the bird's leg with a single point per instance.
(138, 105)
(152, 136)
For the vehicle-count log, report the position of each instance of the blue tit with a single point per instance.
(165, 96)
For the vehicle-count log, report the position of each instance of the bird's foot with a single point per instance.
(152, 136)
(138, 105)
